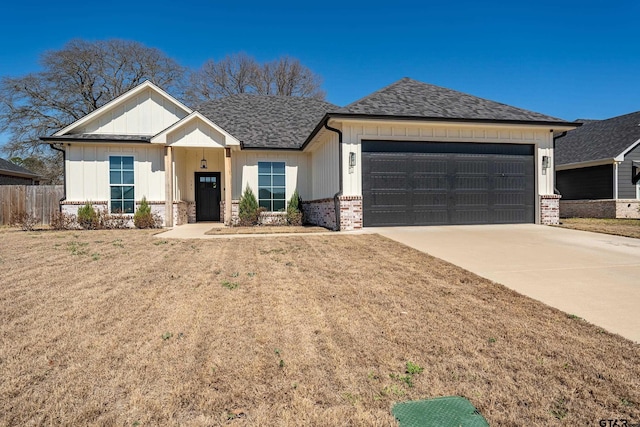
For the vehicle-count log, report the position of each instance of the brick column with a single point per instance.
(550, 209)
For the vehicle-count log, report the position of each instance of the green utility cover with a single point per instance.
(450, 411)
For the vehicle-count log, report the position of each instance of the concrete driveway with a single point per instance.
(591, 275)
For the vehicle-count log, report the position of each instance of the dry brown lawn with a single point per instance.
(267, 229)
(618, 227)
(122, 328)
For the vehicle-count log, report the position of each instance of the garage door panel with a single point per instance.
(430, 199)
(447, 183)
(430, 217)
(470, 216)
(390, 217)
(517, 183)
(462, 200)
(382, 182)
(507, 216)
(429, 182)
(471, 166)
(472, 182)
(423, 164)
(510, 199)
(389, 198)
(386, 165)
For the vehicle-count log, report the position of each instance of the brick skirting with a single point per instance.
(550, 209)
(322, 212)
(607, 208)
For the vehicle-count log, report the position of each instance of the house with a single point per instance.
(12, 174)
(597, 168)
(409, 154)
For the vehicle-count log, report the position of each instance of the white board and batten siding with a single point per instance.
(245, 171)
(186, 162)
(147, 113)
(325, 172)
(196, 134)
(87, 168)
(355, 132)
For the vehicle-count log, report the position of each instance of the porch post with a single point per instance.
(227, 185)
(168, 186)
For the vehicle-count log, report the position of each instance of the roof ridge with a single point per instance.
(402, 80)
(412, 98)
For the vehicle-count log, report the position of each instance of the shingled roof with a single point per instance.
(598, 139)
(411, 98)
(267, 121)
(12, 168)
(99, 137)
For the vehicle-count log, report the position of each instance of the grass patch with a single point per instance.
(618, 227)
(267, 229)
(355, 324)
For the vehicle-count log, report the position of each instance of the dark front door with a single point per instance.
(207, 196)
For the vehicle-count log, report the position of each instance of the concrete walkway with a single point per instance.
(198, 230)
(591, 275)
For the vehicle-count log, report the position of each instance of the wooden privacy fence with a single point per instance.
(40, 201)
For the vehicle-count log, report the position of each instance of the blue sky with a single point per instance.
(569, 59)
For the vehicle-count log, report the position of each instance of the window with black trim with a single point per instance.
(121, 181)
(271, 186)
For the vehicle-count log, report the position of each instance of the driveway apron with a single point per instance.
(590, 275)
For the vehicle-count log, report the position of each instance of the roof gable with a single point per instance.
(144, 110)
(267, 121)
(411, 98)
(195, 130)
(599, 140)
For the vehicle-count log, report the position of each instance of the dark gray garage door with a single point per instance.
(437, 183)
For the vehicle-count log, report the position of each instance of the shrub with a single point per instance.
(294, 211)
(63, 221)
(248, 211)
(23, 220)
(88, 217)
(143, 218)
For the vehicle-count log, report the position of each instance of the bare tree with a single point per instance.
(233, 74)
(287, 76)
(75, 81)
(241, 73)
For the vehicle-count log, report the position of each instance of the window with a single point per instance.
(121, 181)
(271, 186)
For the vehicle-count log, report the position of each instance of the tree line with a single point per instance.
(84, 75)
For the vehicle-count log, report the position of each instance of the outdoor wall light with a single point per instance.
(203, 162)
(352, 159)
(545, 162)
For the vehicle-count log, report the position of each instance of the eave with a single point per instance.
(555, 126)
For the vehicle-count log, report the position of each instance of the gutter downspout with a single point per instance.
(555, 190)
(64, 174)
(336, 197)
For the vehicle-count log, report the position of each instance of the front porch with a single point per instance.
(198, 185)
(197, 170)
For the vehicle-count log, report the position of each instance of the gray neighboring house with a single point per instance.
(598, 168)
(12, 174)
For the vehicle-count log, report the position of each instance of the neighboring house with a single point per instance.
(598, 167)
(12, 174)
(408, 154)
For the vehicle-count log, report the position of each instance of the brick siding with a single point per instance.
(550, 209)
(609, 208)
